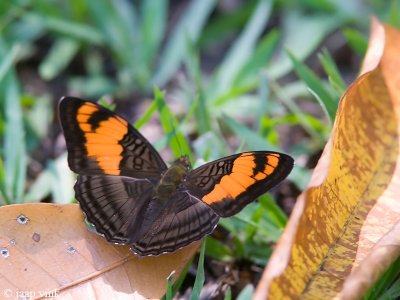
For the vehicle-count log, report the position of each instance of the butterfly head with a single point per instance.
(184, 161)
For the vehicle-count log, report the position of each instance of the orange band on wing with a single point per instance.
(235, 183)
(241, 178)
(88, 109)
(103, 149)
(102, 142)
(273, 160)
(109, 164)
(272, 163)
(234, 187)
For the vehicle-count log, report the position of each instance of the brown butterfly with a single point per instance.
(130, 195)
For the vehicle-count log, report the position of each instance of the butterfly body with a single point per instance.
(173, 178)
(130, 195)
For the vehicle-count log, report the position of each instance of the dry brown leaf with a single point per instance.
(344, 230)
(46, 248)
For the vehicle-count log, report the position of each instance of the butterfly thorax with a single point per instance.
(172, 178)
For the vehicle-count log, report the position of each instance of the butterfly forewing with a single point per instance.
(230, 183)
(101, 142)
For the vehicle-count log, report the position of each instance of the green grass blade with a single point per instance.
(177, 129)
(274, 212)
(260, 58)
(388, 285)
(324, 97)
(154, 16)
(40, 188)
(228, 294)
(253, 224)
(241, 50)
(295, 109)
(117, 21)
(93, 86)
(170, 279)
(120, 25)
(226, 25)
(8, 60)
(3, 196)
(250, 75)
(202, 115)
(394, 17)
(146, 116)
(199, 282)
(107, 22)
(209, 146)
(332, 71)
(14, 139)
(63, 180)
(190, 26)
(235, 92)
(264, 230)
(300, 176)
(57, 180)
(393, 292)
(251, 138)
(192, 65)
(177, 141)
(177, 285)
(59, 56)
(329, 115)
(246, 293)
(37, 119)
(79, 31)
(264, 92)
(297, 26)
(5, 68)
(131, 55)
(218, 250)
(357, 41)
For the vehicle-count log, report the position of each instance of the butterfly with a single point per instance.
(130, 195)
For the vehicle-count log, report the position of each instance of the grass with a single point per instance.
(135, 51)
(388, 286)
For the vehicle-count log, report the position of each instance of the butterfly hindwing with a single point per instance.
(101, 142)
(230, 183)
(183, 220)
(115, 205)
(122, 209)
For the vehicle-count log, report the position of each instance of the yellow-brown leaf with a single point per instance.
(344, 230)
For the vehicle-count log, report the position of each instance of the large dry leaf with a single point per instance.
(345, 228)
(46, 248)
